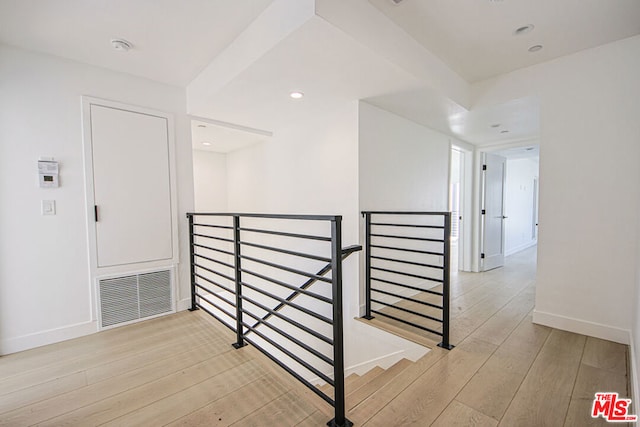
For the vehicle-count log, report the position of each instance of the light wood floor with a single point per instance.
(180, 370)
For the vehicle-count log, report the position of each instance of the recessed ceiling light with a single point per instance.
(504, 131)
(495, 125)
(206, 144)
(535, 48)
(121, 45)
(202, 126)
(523, 30)
(296, 95)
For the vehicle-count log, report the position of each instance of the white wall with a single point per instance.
(209, 181)
(44, 267)
(589, 182)
(519, 203)
(403, 165)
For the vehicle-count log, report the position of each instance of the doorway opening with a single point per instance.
(509, 206)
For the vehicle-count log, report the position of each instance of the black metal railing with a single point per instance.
(407, 269)
(276, 281)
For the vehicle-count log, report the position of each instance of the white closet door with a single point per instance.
(132, 191)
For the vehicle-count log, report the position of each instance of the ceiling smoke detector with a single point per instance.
(121, 45)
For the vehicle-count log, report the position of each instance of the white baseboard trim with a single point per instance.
(583, 327)
(633, 373)
(38, 339)
(520, 248)
(183, 304)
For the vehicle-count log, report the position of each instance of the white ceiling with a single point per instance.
(173, 39)
(220, 137)
(476, 37)
(331, 58)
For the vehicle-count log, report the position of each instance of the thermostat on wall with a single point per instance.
(48, 173)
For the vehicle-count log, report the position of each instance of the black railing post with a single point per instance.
(192, 261)
(238, 281)
(367, 265)
(446, 264)
(340, 419)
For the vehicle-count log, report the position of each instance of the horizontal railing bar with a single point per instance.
(307, 347)
(407, 322)
(422, 239)
(289, 303)
(407, 274)
(292, 372)
(288, 286)
(220, 297)
(291, 321)
(285, 251)
(270, 216)
(214, 260)
(215, 316)
(282, 233)
(226, 227)
(213, 282)
(385, 224)
(405, 213)
(285, 268)
(415, 251)
(213, 271)
(439, 307)
(222, 239)
(213, 249)
(406, 310)
(216, 306)
(408, 262)
(301, 361)
(429, 291)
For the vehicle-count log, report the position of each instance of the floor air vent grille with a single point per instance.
(128, 298)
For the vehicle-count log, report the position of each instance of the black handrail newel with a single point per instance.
(377, 259)
(208, 293)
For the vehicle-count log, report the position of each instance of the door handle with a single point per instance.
(95, 212)
(504, 217)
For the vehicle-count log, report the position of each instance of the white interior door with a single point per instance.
(493, 211)
(131, 183)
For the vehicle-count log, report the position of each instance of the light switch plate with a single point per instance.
(48, 207)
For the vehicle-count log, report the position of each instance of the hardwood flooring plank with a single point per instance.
(192, 398)
(42, 391)
(117, 405)
(233, 406)
(497, 328)
(317, 419)
(591, 380)
(606, 355)
(425, 398)
(286, 410)
(94, 393)
(492, 388)
(544, 396)
(37, 358)
(460, 415)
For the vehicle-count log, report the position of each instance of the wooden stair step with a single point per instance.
(364, 379)
(348, 382)
(362, 393)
